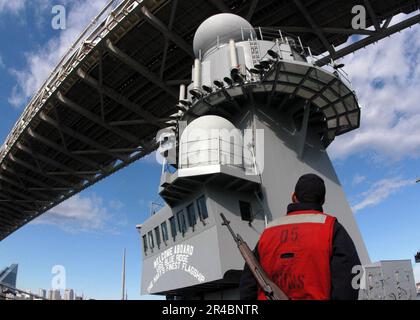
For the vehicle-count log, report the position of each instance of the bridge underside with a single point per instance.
(102, 107)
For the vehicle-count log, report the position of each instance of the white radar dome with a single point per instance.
(223, 26)
(210, 140)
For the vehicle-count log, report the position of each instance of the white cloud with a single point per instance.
(83, 214)
(358, 179)
(42, 61)
(12, 6)
(116, 204)
(386, 78)
(2, 65)
(381, 190)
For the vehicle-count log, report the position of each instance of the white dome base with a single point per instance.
(220, 28)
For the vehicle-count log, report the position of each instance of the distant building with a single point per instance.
(42, 293)
(8, 275)
(51, 294)
(418, 287)
(54, 295)
(69, 294)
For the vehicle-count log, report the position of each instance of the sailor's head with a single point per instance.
(310, 188)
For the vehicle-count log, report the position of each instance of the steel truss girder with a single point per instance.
(94, 118)
(384, 32)
(37, 170)
(315, 26)
(221, 5)
(5, 224)
(119, 98)
(129, 122)
(166, 45)
(251, 10)
(31, 180)
(155, 22)
(22, 187)
(292, 29)
(94, 180)
(63, 150)
(80, 137)
(65, 169)
(372, 14)
(15, 217)
(10, 210)
(90, 152)
(17, 194)
(138, 67)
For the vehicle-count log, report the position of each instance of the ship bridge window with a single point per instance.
(182, 223)
(191, 215)
(151, 242)
(157, 235)
(246, 210)
(202, 208)
(173, 227)
(164, 228)
(145, 244)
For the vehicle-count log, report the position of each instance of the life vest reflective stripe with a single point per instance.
(295, 252)
(298, 218)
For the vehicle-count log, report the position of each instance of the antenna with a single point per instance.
(123, 297)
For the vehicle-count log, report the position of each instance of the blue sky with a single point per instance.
(376, 164)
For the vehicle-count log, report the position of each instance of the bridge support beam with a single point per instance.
(94, 118)
(63, 150)
(384, 32)
(138, 67)
(119, 98)
(155, 22)
(315, 26)
(37, 170)
(80, 137)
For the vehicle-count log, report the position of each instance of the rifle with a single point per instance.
(270, 289)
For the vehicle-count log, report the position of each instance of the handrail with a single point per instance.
(209, 150)
(210, 139)
(273, 34)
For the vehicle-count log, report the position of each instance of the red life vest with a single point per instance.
(295, 252)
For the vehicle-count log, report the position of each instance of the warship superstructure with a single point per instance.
(258, 114)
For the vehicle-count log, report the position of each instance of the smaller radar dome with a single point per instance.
(224, 26)
(210, 140)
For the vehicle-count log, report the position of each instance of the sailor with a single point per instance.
(307, 253)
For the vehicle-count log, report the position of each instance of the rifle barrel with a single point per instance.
(227, 224)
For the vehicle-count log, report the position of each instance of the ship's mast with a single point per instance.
(123, 294)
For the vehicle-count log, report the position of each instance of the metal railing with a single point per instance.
(155, 206)
(4, 287)
(279, 37)
(214, 151)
